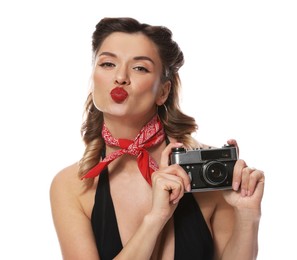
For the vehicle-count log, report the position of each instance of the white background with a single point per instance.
(239, 81)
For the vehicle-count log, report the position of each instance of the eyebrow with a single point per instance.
(144, 58)
(135, 58)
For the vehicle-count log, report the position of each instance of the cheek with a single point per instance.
(98, 78)
(99, 81)
(151, 86)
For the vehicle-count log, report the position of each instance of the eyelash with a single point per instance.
(137, 68)
(106, 64)
(140, 68)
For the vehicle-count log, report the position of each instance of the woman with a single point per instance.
(124, 200)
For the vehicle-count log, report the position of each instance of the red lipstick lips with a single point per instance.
(118, 94)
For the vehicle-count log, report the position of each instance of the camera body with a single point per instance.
(209, 169)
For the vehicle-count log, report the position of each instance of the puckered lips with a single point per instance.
(118, 94)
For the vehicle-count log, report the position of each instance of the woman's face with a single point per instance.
(127, 77)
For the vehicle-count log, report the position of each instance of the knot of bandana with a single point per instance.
(150, 135)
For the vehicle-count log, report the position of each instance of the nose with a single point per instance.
(122, 77)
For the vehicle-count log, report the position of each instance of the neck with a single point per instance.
(126, 128)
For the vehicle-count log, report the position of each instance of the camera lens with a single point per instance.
(214, 173)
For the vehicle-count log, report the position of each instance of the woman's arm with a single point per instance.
(74, 228)
(235, 222)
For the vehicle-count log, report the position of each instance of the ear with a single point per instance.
(163, 93)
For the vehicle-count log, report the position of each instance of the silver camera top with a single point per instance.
(199, 155)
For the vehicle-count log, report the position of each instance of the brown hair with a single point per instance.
(176, 124)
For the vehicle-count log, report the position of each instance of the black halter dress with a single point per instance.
(193, 239)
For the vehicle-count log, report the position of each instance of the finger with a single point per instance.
(172, 185)
(164, 162)
(237, 173)
(245, 180)
(233, 142)
(176, 172)
(256, 177)
(259, 190)
(177, 191)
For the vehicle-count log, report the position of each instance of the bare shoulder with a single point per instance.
(66, 181)
(65, 189)
(71, 208)
(68, 189)
(67, 174)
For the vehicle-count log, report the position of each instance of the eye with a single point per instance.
(106, 65)
(141, 69)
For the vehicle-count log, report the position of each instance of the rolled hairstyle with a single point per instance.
(176, 124)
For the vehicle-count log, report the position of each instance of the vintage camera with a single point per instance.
(209, 169)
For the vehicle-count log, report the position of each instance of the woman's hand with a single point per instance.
(248, 182)
(169, 184)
